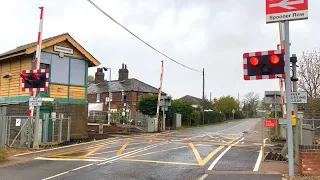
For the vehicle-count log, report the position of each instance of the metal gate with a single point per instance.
(18, 131)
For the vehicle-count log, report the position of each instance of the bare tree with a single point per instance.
(250, 104)
(309, 73)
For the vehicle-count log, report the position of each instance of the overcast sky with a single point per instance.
(210, 34)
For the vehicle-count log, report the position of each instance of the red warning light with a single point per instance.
(254, 61)
(274, 59)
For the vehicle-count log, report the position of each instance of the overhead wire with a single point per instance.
(190, 68)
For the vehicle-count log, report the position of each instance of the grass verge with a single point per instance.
(206, 125)
(3, 154)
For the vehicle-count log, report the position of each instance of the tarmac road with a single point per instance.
(187, 154)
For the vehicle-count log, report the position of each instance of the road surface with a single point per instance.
(186, 154)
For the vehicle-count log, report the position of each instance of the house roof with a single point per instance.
(193, 100)
(31, 48)
(131, 84)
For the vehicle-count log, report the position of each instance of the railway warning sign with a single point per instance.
(286, 10)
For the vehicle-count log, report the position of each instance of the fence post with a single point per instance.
(3, 125)
(69, 126)
(54, 118)
(60, 128)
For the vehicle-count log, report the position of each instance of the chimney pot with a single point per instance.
(125, 66)
(122, 65)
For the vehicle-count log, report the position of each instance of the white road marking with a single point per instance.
(203, 177)
(214, 133)
(110, 160)
(114, 158)
(222, 154)
(51, 177)
(72, 145)
(256, 167)
(68, 159)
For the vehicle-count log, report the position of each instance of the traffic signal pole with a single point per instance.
(34, 93)
(288, 96)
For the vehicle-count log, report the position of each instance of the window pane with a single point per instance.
(45, 58)
(59, 69)
(77, 72)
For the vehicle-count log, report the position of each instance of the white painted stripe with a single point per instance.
(203, 177)
(108, 161)
(264, 53)
(72, 145)
(222, 154)
(245, 71)
(27, 71)
(43, 70)
(245, 61)
(114, 158)
(277, 52)
(51, 177)
(256, 167)
(68, 159)
(252, 54)
(253, 78)
(265, 76)
(214, 133)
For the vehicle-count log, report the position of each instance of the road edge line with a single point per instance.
(258, 162)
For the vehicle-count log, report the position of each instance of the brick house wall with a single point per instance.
(132, 99)
(77, 112)
(310, 160)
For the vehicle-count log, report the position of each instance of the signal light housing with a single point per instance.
(35, 80)
(263, 65)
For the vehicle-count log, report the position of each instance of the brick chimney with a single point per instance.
(123, 73)
(99, 76)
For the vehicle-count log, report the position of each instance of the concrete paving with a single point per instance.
(185, 154)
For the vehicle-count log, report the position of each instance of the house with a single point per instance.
(195, 102)
(133, 89)
(68, 64)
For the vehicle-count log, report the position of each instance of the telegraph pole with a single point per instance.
(203, 96)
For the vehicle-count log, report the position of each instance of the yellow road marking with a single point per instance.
(124, 146)
(106, 152)
(163, 162)
(91, 152)
(150, 141)
(69, 152)
(196, 153)
(154, 152)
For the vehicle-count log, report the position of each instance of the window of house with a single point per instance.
(77, 72)
(98, 97)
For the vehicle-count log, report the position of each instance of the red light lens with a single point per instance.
(254, 61)
(274, 59)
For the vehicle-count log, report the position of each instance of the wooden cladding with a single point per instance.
(12, 87)
(58, 91)
(77, 92)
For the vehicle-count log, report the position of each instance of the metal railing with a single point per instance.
(311, 131)
(18, 131)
